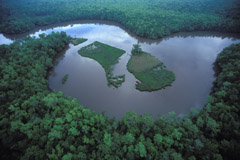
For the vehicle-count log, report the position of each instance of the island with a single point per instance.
(65, 78)
(150, 71)
(107, 56)
(77, 41)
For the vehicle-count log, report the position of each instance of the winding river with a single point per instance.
(189, 55)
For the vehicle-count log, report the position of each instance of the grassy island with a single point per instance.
(77, 41)
(107, 56)
(151, 72)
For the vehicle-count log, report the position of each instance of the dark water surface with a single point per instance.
(189, 55)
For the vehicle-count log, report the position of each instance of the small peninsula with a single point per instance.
(107, 56)
(77, 41)
(151, 72)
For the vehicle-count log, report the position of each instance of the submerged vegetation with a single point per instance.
(77, 41)
(148, 18)
(107, 56)
(65, 78)
(151, 72)
(36, 123)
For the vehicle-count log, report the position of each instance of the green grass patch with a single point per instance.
(151, 72)
(77, 41)
(107, 56)
(143, 62)
(65, 78)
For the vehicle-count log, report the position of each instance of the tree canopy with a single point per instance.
(152, 19)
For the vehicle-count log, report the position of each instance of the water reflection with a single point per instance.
(189, 55)
(4, 40)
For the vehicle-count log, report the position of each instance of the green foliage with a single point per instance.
(107, 56)
(38, 124)
(153, 19)
(140, 148)
(151, 72)
(158, 139)
(107, 139)
(115, 81)
(68, 156)
(65, 78)
(136, 50)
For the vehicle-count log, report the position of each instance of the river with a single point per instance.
(190, 55)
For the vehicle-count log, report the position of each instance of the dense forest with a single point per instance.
(38, 124)
(147, 18)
